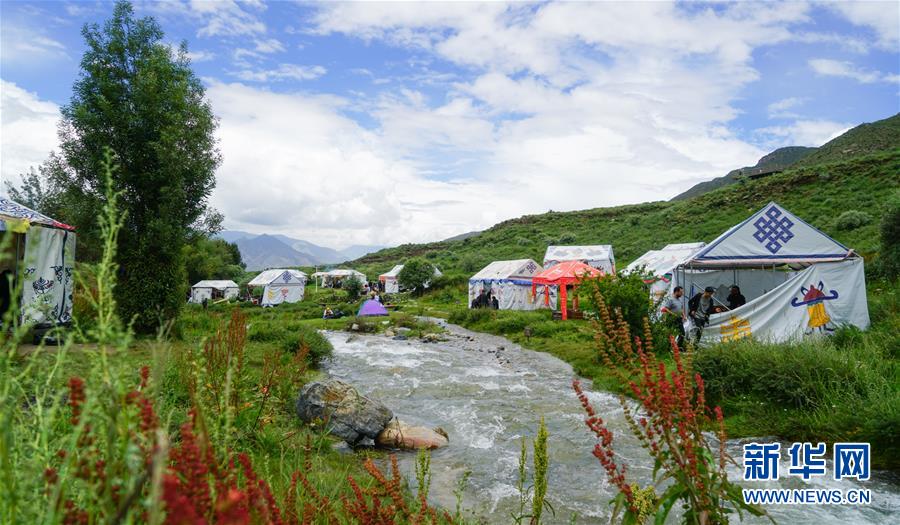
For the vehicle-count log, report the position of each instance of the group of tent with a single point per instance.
(277, 286)
(796, 279)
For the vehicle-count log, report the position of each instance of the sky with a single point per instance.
(386, 123)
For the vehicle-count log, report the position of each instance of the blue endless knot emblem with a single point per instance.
(773, 229)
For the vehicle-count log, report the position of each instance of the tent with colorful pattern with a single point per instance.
(40, 252)
(280, 286)
(781, 265)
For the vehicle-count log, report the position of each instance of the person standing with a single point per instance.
(673, 313)
(700, 307)
(735, 299)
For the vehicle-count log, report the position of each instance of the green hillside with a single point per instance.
(779, 159)
(862, 140)
(819, 194)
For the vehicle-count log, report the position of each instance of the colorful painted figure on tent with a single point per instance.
(814, 301)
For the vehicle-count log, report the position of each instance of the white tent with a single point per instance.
(510, 283)
(661, 265)
(599, 256)
(391, 283)
(280, 286)
(213, 290)
(334, 278)
(797, 280)
(42, 254)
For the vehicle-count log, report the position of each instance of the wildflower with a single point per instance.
(76, 398)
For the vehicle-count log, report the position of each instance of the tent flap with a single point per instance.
(816, 301)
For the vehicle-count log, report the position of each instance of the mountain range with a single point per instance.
(261, 251)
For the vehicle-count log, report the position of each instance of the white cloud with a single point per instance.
(837, 68)
(28, 128)
(201, 56)
(781, 108)
(883, 17)
(217, 17)
(282, 72)
(22, 44)
(803, 133)
(268, 45)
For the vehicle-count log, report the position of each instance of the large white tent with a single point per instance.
(797, 280)
(41, 253)
(280, 286)
(212, 290)
(660, 265)
(598, 256)
(334, 278)
(391, 282)
(510, 283)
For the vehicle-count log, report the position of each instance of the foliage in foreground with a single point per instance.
(669, 425)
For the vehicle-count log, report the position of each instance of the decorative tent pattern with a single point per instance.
(370, 308)
(771, 236)
(212, 290)
(280, 286)
(43, 256)
(563, 275)
(799, 281)
(661, 265)
(598, 256)
(510, 283)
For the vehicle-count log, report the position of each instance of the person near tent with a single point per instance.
(495, 303)
(327, 313)
(700, 307)
(673, 313)
(482, 301)
(735, 299)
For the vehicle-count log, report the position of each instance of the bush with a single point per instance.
(303, 336)
(852, 219)
(889, 256)
(415, 273)
(353, 286)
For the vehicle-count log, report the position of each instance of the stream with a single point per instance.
(488, 393)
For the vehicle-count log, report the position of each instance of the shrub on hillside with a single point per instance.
(353, 286)
(889, 256)
(852, 219)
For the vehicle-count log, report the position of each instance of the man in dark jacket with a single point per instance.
(735, 299)
(700, 307)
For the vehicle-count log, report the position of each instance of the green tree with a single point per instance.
(207, 258)
(416, 273)
(353, 286)
(139, 97)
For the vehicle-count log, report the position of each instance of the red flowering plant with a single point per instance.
(669, 421)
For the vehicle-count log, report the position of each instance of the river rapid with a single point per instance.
(488, 393)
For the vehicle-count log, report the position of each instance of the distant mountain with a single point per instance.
(881, 135)
(778, 160)
(320, 254)
(260, 251)
(266, 251)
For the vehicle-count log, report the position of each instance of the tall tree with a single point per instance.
(139, 97)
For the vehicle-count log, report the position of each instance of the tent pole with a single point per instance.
(564, 299)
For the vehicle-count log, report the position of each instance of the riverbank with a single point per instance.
(489, 393)
(846, 388)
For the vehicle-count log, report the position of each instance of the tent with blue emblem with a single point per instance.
(40, 252)
(280, 286)
(797, 281)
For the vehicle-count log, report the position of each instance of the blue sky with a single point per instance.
(383, 123)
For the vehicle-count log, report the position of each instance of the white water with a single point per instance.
(487, 399)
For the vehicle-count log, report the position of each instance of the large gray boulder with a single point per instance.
(349, 415)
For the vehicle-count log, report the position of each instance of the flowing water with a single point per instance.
(488, 393)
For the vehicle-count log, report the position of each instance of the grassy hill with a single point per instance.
(818, 194)
(780, 159)
(862, 140)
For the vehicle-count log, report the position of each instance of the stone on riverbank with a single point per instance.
(349, 415)
(400, 435)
